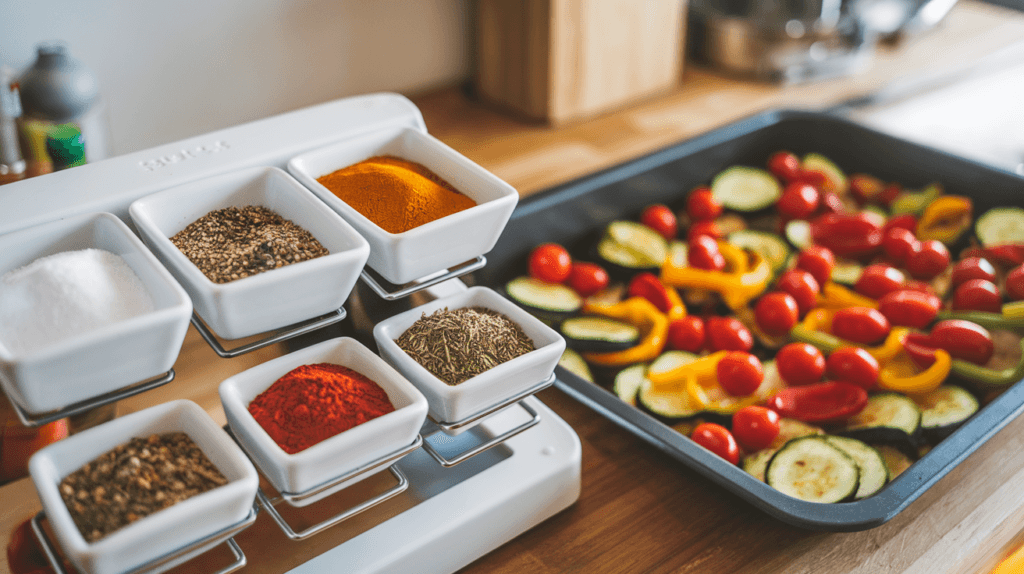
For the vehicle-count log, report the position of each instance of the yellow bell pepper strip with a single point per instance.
(642, 314)
(945, 219)
(699, 380)
(737, 288)
(987, 378)
(704, 371)
(816, 330)
(901, 374)
(835, 296)
(677, 309)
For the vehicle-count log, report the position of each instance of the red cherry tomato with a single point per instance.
(550, 262)
(862, 325)
(854, 365)
(889, 193)
(905, 220)
(802, 286)
(865, 187)
(718, 440)
(818, 261)
(878, 279)
(978, 295)
(776, 313)
(687, 334)
(963, 340)
(785, 165)
(703, 253)
(739, 373)
(728, 334)
(929, 261)
(587, 278)
(820, 402)
(800, 364)
(972, 268)
(755, 427)
(909, 308)
(898, 243)
(799, 200)
(1015, 284)
(708, 227)
(701, 205)
(921, 349)
(831, 203)
(648, 286)
(661, 219)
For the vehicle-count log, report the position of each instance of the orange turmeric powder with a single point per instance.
(395, 194)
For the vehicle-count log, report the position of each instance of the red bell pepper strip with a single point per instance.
(854, 236)
(820, 402)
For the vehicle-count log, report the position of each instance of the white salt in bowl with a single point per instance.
(434, 246)
(101, 360)
(272, 299)
(451, 404)
(338, 455)
(166, 530)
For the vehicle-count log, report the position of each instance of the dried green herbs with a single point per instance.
(458, 345)
(234, 243)
(135, 480)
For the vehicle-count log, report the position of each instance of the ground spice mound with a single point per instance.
(458, 345)
(395, 194)
(315, 402)
(135, 480)
(233, 243)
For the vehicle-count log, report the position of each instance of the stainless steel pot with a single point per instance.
(802, 40)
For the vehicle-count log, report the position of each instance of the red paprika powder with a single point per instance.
(315, 402)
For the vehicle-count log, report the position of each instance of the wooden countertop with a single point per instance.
(641, 511)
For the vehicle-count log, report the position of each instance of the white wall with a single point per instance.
(179, 68)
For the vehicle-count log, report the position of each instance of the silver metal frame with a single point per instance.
(452, 426)
(377, 283)
(403, 483)
(282, 335)
(188, 552)
(30, 420)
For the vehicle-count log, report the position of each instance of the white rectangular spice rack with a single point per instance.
(481, 481)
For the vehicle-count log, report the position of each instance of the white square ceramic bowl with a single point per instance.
(456, 403)
(102, 360)
(344, 452)
(164, 531)
(268, 300)
(440, 244)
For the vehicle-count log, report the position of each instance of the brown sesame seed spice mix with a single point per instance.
(234, 243)
(135, 480)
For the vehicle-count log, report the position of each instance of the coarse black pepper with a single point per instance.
(458, 345)
(233, 243)
(135, 480)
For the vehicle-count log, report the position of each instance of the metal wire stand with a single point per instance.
(391, 292)
(432, 427)
(34, 420)
(279, 336)
(403, 483)
(166, 561)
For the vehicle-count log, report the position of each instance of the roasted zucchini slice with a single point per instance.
(627, 382)
(770, 246)
(545, 300)
(746, 189)
(598, 334)
(944, 410)
(574, 363)
(873, 472)
(888, 418)
(628, 247)
(812, 469)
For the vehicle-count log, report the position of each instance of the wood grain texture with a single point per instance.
(563, 60)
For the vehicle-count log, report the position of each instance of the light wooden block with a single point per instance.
(562, 60)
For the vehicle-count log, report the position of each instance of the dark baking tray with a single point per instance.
(570, 214)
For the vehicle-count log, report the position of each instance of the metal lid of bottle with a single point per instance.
(57, 87)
